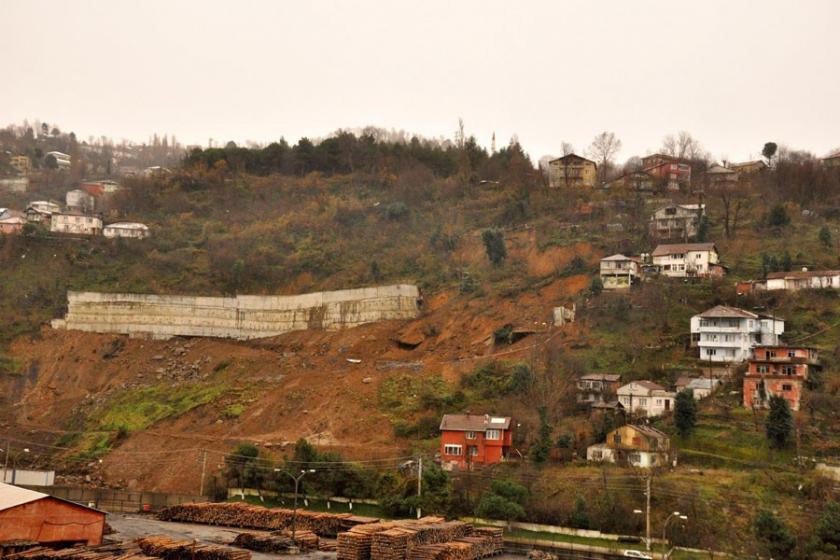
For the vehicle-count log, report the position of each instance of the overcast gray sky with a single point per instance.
(733, 73)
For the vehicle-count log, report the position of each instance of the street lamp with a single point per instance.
(297, 480)
(665, 526)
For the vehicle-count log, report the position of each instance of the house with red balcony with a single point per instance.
(778, 370)
(467, 440)
(671, 171)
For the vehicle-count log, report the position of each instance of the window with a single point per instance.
(597, 454)
(493, 434)
(771, 354)
(761, 369)
(787, 387)
(452, 449)
(789, 370)
(617, 439)
(711, 351)
(642, 402)
(470, 435)
(472, 450)
(791, 353)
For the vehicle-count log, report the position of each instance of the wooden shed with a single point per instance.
(26, 515)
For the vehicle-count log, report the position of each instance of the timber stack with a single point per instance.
(277, 542)
(122, 551)
(429, 538)
(163, 547)
(248, 516)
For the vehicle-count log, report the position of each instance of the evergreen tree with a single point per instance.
(779, 423)
(685, 412)
(778, 216)
(596, 286)
(828, 529)
(504, 500)
(579, 518)
(542, 447)
(825, 237)
(773, 534)
(494, 244)
(703, 229)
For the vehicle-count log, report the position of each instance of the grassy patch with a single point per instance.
(10, 366)
(138, 409)
(234, 410)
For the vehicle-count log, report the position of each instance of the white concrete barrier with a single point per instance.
(240, 317)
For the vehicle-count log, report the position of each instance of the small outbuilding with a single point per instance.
(26, 515)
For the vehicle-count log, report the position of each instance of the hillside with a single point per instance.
(142, 414)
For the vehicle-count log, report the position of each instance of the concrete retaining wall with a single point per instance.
(240, 317)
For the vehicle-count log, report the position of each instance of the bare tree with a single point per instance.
(734, 196)
(603, 149)
(683, 146)
(567, 148)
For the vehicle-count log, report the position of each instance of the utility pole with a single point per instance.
(203, 471)
(6, 461)
(647, 513)
(419, 484)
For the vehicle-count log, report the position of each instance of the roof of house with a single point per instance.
(702, 383)
(727, 311)
(13, 496)
(616, 257)
(720, 170)
(650, 431)
(647, 385)
(747, 164)
(833, 155)
(601, 377)
(473, 422)
(128, 225)
(12, 220)
(669, 249)
(573, 156)
(607, 405)
(802, 274)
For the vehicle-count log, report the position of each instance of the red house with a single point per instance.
(671, 170)
(474, 439)
(778, 370)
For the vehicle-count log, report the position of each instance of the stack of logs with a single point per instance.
(277, 542)
(123, 551)
(168, 549)
(257, 517)
(429, 538)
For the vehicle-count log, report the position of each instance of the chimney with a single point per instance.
(486, 419)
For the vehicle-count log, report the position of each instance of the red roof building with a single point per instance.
(26, 515)
(673, 171)
(474, 439)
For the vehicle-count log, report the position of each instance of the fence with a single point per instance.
(25, 477)
(117, 501)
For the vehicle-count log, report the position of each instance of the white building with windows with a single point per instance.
(126, 229)
(75, 223)
(645, 398)
(619, 272)
(683, 260)
(728, 334)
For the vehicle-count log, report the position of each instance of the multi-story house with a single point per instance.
(474, 439)
(633, 445)
(572, 171)
(597, 388)
(40, 211)
(720, 176)
(729, 334)
(672, 171)
(683, 260)
(778, 370)
(75, 223)
(619, 272)
(645, 398)
(800, 280)
(677, 221)
(21, 164)
(748, 167)
(636, 181)
(62, 160)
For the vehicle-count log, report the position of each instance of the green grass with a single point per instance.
(234, 410)
(10, 365)
(366, 510)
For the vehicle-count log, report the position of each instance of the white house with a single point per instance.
(687, 259)
(801, 279)
(728, 334)
(645, 398)
(76, 223)
(39, 211)
(677, 221)
(77, 199)
(62, 160)
(700, 387)
(126, 229)
(619, 272)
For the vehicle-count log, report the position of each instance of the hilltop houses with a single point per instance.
(688, 260)
(748, 167)
(700, 387)
(75, 223)
(79, 200)
(62, 160)
(467, 440)
(728, 334)
(619, 272)
(793, 280)
(597, 388)
(572, 170)
(21, 164)
(40, 211)
(126, 230)
(719, 176)
(11, 221)
(636, 446)
(677, 221)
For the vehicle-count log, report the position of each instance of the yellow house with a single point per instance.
(572, 171)
(22, 164)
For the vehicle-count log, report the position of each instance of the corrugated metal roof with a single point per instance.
(802, 274)
(682, 248)
(474, 422)
(13, 496)
(726, 311)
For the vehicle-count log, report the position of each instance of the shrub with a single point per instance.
(773, 534)
(685, 412)
(778, 216)
(779, 423)
(596, 286)
(396, 211)
(494, 245)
